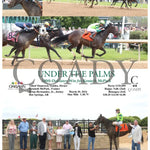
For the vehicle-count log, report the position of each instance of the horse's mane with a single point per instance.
(105, 29)
(29, 31)
(107, 120)
(32, 3)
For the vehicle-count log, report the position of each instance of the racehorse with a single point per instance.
(25, 38)
(132, 1)
(31, 8)
(111, 131)
(92, 1)
(76, 40)
(43, 41)
(126, 2)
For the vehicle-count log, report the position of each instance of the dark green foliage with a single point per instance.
(140, 35)
(130, 119)
(76, 22)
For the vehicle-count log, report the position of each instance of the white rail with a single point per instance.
(139, 42)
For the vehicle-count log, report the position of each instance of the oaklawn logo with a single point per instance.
(16, 85)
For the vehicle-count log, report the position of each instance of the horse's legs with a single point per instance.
(10, 52)
(136, 3)
(23, 54)
(104, 52)
(16, 55)
(124, 2)
(54, 51)
(96, 2)
(48, 53)
(110, 139)
(115, 142)
(92, 4)
(93, 54)
(78, 49)
(70, 49)
(85, 2)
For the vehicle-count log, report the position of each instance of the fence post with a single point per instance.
(139, 51)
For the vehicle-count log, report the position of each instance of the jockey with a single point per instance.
(23, 26)
(48, 26)
(119, 118)
(96, 27)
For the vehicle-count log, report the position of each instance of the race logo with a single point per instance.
(16, 85)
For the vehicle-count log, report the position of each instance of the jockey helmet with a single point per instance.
(102, 22)
(117, 109)
(46, 23)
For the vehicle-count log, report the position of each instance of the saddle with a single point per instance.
(86, 36)
(123, 129)
(11, 36)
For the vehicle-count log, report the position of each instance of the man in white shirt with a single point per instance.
(136, 135)
(42, 130)
(67, 137)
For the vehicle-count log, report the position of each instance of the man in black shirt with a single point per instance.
(91, 133)
(77, 135)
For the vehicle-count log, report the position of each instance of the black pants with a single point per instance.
(42, 140)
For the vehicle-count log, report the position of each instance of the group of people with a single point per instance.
(45, 131)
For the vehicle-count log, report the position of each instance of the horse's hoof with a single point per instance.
(86, 59)
(91, 6)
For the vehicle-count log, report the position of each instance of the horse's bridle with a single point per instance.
(36, 30)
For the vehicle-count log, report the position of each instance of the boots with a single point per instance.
(92, 34)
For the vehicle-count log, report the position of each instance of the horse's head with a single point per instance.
(43, 31)
(13, 3)
(99, 120)
(36, 28)
(113, 29)
(55, 32)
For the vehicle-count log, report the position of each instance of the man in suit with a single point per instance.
(136, 135)
(42, 130)
(77, 135)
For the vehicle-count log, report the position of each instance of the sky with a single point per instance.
(75, 108)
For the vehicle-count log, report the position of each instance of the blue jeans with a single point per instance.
(67, 137)
(91, 139)
(23, 137)
(136, 145)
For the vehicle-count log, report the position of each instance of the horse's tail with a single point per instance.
(60, 39)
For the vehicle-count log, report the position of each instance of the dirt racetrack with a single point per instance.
(76, 9)
(14, 12)
(68, 64)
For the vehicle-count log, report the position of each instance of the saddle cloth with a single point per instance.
(11, 38)
(123, 129)
(87, 36)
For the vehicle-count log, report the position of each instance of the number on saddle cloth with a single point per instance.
(11, 36)
(87, 36)
(124, 127)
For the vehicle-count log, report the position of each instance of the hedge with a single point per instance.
(140, 35)
(130, 119)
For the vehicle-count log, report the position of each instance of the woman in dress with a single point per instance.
(11, 133)
(58, 138)
(50, 132)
